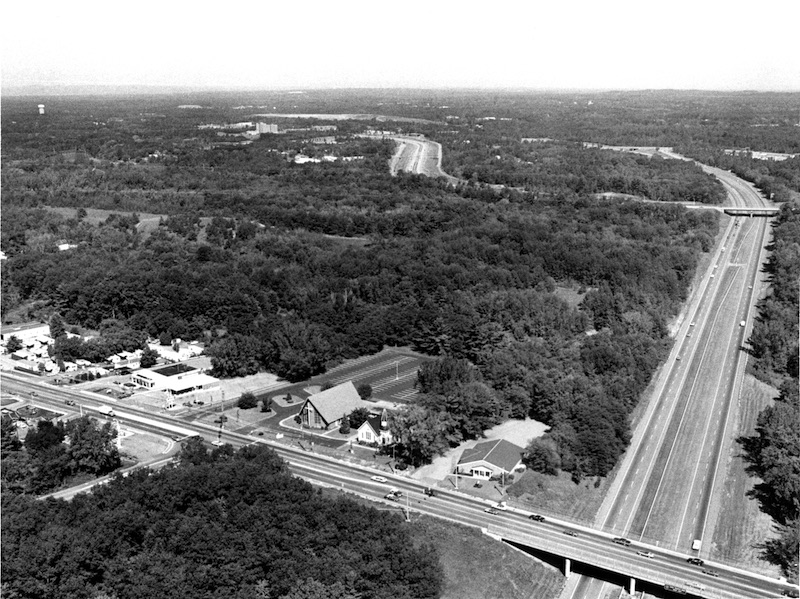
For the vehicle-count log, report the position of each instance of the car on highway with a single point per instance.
(429, 492)
(536, 518)
(647, 554)
(790, 593)
(695, 561)
(69, 402)
(379, 479)
(622, 541)
(491, 510)
(713, 573)
(393, 496)
(571, 533)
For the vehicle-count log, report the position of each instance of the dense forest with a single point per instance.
(220, 524)
(544, 298)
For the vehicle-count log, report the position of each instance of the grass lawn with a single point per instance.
(559, 496)
(478, 567)
(740, 525)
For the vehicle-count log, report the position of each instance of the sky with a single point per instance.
(301, 44)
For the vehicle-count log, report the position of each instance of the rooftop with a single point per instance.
(173, 369)
(500, 453)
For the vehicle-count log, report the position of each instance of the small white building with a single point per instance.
(126, 359)
(490, 458)
(375, 430)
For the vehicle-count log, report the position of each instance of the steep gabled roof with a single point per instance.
(500, 453)
(337, 401)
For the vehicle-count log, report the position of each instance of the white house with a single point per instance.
(326, 409)
(126, 359)
(376, 430)
(490, 458)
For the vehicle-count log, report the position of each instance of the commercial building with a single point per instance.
(175, 379)
(490, 458)
(28, 331)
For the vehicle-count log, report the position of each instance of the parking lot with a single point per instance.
(391, 373)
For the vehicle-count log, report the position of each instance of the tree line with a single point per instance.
(773, 452)
(221, 523)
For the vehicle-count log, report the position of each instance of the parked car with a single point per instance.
(622, 541)
(536, 518)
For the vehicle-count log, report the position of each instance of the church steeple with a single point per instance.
(384, 421)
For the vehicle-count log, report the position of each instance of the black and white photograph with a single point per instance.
(413, 300)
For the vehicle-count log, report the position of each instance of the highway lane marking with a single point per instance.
(691, 393)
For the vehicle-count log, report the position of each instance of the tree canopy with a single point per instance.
(222, 523)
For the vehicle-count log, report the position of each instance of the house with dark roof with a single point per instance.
(490, 458)
(326, 409)
(375, 429)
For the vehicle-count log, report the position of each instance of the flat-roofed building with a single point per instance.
(28, 331)
(175, 379)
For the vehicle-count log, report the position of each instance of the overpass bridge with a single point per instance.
(664, 574)
(751, 211)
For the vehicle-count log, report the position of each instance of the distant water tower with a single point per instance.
(41, 108)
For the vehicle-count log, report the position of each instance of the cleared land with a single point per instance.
(741, 526)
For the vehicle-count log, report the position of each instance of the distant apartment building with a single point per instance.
(266, 128)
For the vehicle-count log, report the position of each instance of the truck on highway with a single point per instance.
(106, 410)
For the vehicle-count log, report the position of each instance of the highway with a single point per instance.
(668, 485)
(588, 546)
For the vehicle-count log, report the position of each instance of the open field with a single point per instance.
(741, 526)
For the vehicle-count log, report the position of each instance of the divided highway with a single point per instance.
(663, 497)
(587, 545)
(668, 486)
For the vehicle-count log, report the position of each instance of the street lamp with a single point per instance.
(222, 420)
